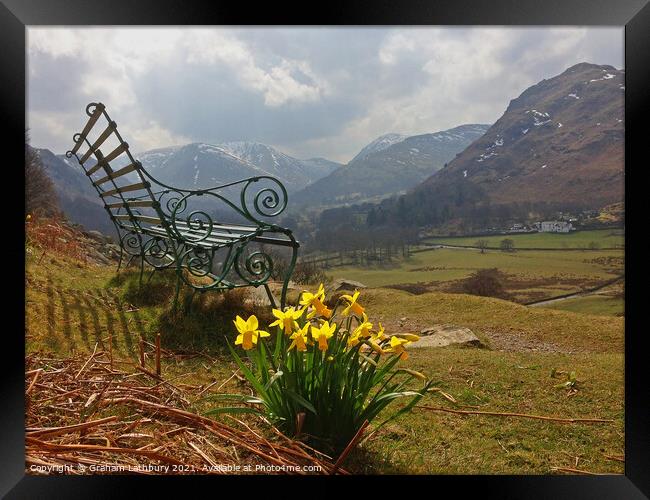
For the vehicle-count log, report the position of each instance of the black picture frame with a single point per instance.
(15, 15)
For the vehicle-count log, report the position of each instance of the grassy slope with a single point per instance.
(426, 442)
(71, 306)
(606, 238)
(487, 317)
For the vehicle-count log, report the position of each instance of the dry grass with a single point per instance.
(85, 413)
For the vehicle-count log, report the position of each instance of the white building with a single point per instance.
(555, 227)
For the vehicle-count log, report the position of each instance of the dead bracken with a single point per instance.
(84, 416)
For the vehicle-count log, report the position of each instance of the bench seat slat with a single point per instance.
(214, 236)
(109, 157)
(100, 140)
(99, 109)
(218, 237)
(116, 174)
(134, 204)
(126, 189)
(143, 218)
(230, 227)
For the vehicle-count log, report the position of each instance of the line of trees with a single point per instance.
(364, 246)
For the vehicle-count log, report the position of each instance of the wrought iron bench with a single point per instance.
(171, 227)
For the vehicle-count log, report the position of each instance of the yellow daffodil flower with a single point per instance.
(409, 336)
(300, 338)
(315, 301)
(363, 330)
(375, 346)
(360, 332)
(248, 332)
(379, 335)
(323, 333)
(353, 306)
(287, 320)
(397, 346)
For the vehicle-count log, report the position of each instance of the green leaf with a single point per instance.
(301, 401)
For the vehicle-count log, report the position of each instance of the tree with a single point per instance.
(482, 245)
(594, 245)
(40, 196)
(507, 245)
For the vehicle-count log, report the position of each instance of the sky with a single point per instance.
(310, 92)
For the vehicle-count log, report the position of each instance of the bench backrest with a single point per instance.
(128, 199)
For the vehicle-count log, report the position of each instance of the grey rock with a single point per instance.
(343, 284)
(444, 335)
(96, 235)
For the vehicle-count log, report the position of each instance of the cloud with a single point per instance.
(309, 91)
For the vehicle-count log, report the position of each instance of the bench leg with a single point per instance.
(285, 283)
(271, 298)
(119, 262)
(141, 271)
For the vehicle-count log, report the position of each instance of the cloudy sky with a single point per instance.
(308, 91)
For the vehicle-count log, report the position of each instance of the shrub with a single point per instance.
(486, 283)
(319, 377)
(40, 195)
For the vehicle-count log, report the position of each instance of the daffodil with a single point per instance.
(300, 338)
(322, 333)
(360, 332)
(397, 346)
(315, 301)
(287, 320)
(379, 335)
(363, 330)
(408, 336)
(248, 332)
(353, 306)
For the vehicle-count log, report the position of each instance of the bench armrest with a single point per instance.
(259, 197)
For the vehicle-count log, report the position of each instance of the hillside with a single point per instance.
(384, 171)
(82, 318)
(379, 144)
(560, 142)
(77, 197)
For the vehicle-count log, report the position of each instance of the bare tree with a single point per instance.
(507, 245)
(481, 245)
(40, 196)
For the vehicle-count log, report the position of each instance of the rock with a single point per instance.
(443, 335)
(343, 284)
(96, 235)
(97, 256)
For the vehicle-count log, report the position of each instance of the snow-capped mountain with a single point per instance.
(560, 142)
(293, 172)
(389, 170)
(379, 144)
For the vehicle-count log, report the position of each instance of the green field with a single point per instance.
(604, 238)
(591, 304)
(533, 275)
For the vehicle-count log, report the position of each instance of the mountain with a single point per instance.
(379, 144)
(321, 166)
(391, 169)
(560, 143)
(295, 173)
(77, 198)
